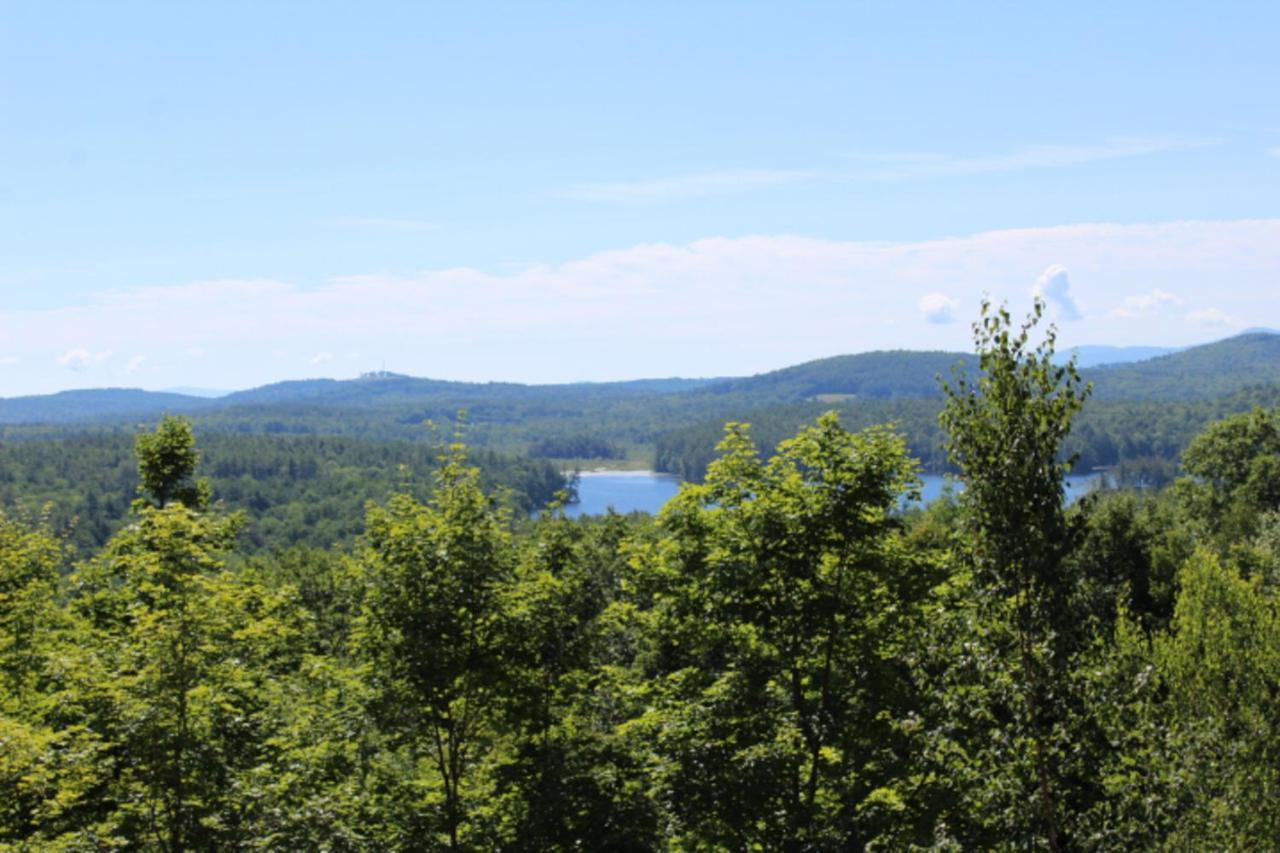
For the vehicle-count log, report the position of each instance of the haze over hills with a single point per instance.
(1097, 356)
(883, 375)
(1229, 365)
(189, 391)
(1142, 410)
(96, 404)
(1197, 372)
(387, 388)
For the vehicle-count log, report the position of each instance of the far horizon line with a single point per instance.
(200, 392)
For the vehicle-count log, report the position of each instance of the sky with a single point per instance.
(225, 195)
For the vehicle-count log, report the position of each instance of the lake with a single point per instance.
(1077, 485)
(625, 491)
(646, 491)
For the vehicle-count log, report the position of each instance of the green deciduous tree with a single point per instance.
(28, 607)
(167, 460)
(566, 777)
(1005, 433)
(1190, 713)
(185, 651)
(1234, 474)
(784, 588)
(1220, 663)
(50, 764)
(434, 634)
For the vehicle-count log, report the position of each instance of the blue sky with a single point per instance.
(234, 193)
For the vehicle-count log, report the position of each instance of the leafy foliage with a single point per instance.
(785, 590)
(790, 657)
(295, 490)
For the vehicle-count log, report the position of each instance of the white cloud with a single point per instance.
(893, 167)
(938, 308)
(135, 364)
(79, 358)
(901, 167)
(682, 186)
(1274, 152)
(1146, 303)
(1054, 286)
(380, 223)
(321, 357)
(8, 360)
(1213, 317)
(717, 306)
(194, 352)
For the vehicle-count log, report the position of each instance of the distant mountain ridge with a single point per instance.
(390, 388)
(1229, 365)
(378, 391)
(97, 404)
(188, 391)
(1097, 356)
(881, 375)
(1196, 372)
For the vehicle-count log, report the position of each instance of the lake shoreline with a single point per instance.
(632, 490)
(620, 472)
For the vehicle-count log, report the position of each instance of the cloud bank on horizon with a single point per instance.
(716, 306)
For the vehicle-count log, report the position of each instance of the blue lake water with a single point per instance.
(625, 491)
(1077, 485)
(645, 491)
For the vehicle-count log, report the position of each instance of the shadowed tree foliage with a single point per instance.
(1005, 433)
(784, 590)
(167, 460)
(433, 627)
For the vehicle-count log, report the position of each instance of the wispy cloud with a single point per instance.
(380, 223)
(917, 166)
(80, 358)
(938, 308)
(683, 187)
(135, 364)
(1146, 303)
(1212, 317)
(875, 168)
(742, 301)
(1274, 152)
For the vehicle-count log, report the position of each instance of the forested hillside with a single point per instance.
(785, 659)
(872, 375)
(1198, 373)
(1146, 413)
(1147, 437)
(320, 405)
(106, 404)
(295, 490)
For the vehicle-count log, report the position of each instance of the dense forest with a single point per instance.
(294, 490)
(1142, 418)
(1145, 437)
(784, 659)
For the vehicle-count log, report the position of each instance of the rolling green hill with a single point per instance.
(392, 389)
(97, 404)
(1096, 356)
(1196, 373)
(883, 375)
(676, 418)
